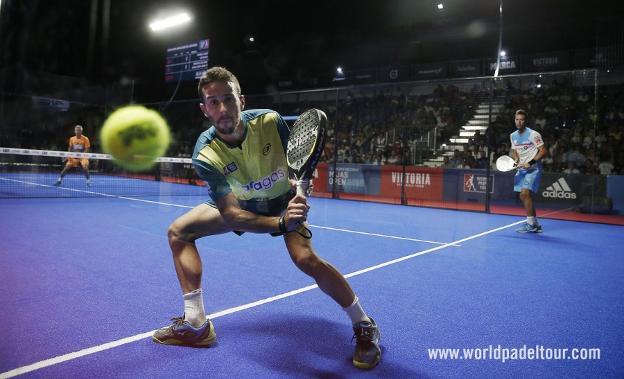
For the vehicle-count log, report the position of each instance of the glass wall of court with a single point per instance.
(426, 143)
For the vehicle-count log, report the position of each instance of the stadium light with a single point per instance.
(252, 39)
(503, 53)
(339, 74)
(440, 6)
(169, 22)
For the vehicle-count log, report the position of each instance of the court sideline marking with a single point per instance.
(191, 207)
(95, 349)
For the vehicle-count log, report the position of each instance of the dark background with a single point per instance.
(108, 41)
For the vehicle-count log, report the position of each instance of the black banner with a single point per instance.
(364, 76)
(508, 65)
(393, 73)
(570, 188)
(429, 70)
(558, 60)
(604, 57)
(466, 68)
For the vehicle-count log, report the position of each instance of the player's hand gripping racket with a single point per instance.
(505, 163)
(305, 146)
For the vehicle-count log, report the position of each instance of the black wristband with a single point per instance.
(282, 225)
(532, 161)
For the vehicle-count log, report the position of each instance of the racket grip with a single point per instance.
(302, 187)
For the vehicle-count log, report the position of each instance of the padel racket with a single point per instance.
(505, 163)
(304, 149)
(305, 146)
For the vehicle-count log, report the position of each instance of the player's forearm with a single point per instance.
(540, 154)
(514, 155)
(245, 221)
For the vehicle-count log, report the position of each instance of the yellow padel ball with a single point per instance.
(135, 136)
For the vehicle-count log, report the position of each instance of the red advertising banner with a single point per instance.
(421, 183)
(321, 180)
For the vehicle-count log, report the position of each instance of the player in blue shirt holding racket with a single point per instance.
(527, 149)
(242, 158)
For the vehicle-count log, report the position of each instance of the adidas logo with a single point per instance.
(559, 190)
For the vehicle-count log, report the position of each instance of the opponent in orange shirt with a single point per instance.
(78, 143)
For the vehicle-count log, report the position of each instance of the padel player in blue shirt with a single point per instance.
(527, 149)
(242, 158)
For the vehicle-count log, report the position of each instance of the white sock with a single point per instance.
(532, 220)
(194, 308)
(355, 312)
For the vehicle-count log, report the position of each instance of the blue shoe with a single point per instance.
(181, 332)
(528, 228)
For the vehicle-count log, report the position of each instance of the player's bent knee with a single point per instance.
(307, 262)
(176, 234)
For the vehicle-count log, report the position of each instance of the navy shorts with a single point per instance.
(273, 207)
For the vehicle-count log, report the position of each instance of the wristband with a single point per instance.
(282, 225)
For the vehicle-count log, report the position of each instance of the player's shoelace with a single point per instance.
(363, 334)
(176, 322)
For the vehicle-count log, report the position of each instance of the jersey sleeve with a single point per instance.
(537, 139)
(218, 186)
(283, 130)
(70, 143)
(513, 146)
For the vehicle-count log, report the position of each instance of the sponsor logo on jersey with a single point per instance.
(267, 182)
(559, 190)
(230, 168)
(266, 149)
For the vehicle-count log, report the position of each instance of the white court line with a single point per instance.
(384, 236)
(190, 207)
(123, 341)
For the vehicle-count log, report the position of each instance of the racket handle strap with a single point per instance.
(302, 187)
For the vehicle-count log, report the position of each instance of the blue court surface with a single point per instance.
(84, 282)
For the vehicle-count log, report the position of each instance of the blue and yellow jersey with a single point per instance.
(255, 171)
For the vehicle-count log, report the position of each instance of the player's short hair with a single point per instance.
(522, 112)
(79, 126)
(218, 74)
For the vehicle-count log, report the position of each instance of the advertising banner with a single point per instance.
(421, 183)
(466, 68)
(477, 183)
(557, 60)
(429, 70)
(560, 188)
(509, 65)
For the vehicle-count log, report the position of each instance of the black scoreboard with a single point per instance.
(187, 62)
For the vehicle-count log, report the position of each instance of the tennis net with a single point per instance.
(34, 173)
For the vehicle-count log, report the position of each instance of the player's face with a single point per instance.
(222, 105)
(520, 120)
(78, 131)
